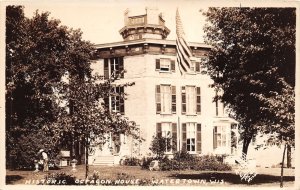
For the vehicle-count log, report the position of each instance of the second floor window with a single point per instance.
(115, 102)
(191, 100)
(113, 66)
(165, 99)
(195, 67)
(165, 65)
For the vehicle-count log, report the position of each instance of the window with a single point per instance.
(165, 65)
(168, 131)
(113, 66)
(220, 136)
(190, 100)
(195, 66)
(191, 137)
(165, 99)
(115, 102)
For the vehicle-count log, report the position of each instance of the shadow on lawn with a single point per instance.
(234, 178)
(10, 179)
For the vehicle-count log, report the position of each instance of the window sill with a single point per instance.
(191, 114)
(170, 114)
(160, 71)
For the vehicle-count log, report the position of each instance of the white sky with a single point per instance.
(100, 22)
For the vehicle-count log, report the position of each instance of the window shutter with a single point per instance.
(106, 102)
(112, 70)
(183, 136)
(198, 100)
(173, 65)
(215, 137)
(173, 89)
(174, 136)
(122, 101)
(158, 129)
(183, 100)
(158, 99)
(198, 138)
(197, 67)
(157, 64)
(106, 71)
(121, 67)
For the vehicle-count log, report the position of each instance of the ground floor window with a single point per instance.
(220, 136)
(191, 137)
(168, 130)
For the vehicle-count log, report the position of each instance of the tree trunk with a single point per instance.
(289, 156)
(86, 158)
(246, 143)
(247, 139)
(282, 163)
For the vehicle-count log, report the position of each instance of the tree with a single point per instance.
(91, 119)
(252, 60)
(38, 53)
(160, 145)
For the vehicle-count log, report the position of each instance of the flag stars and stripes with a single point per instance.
(184, 52)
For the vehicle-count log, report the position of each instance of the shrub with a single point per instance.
(185, 161)
(159, 145)
(209, 162)
(23, 150)
(132, 161)
(183, 156)
(146, 162)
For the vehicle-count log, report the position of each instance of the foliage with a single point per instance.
(132, 161)
(146, 162)
(88, 119)
(160, 144)
(50, 89)
(252, 61)
(25, 151)
(38, 52)
(183, 155)
(208, 162)
(190, 162)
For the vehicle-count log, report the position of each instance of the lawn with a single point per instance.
(265, 176)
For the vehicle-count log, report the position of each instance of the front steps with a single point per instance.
(108, 160)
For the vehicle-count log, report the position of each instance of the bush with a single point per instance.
(22, 151)
(132, 161)
(184, 161)
(208, 162)
(146, 162)
(183, 156)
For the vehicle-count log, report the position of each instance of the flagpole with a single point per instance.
(179, 143)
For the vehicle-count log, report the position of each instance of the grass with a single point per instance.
(265, 176)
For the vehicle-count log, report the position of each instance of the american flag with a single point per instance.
(184, 52)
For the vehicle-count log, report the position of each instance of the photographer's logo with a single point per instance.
(246, 170)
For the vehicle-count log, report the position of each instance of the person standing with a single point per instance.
(45, 160)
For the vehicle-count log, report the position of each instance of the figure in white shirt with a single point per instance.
(45, 160)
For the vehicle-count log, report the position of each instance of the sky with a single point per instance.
(100, 22)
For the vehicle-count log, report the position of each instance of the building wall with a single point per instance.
(140, 105)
